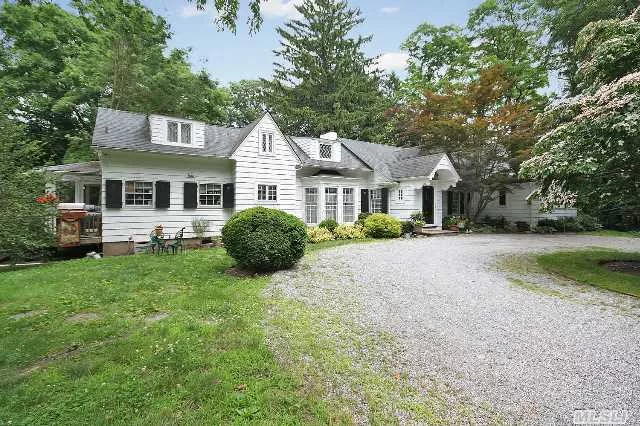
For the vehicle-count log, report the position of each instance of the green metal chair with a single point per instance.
(177, 243)
(156, 244)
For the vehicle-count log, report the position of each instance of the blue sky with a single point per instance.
(230, 57)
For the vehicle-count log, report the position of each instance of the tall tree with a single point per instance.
(486, 132)
(564, 19)
(247, 102)
(58, 66)
(498, 32)
(590, 156)
(324, 81)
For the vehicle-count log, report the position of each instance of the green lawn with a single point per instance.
(613, 233)
(585, 266)
(143, 340)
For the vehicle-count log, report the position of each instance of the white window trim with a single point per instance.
(267, 201)
(179, 141)
(210, 206)
(371, 190)
(138, 206)
(318, 207)
(337, 204)
(273, 147)
(353, 205)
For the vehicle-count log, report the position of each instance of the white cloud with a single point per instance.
(280, 9)
(392, 61)
(389, 10)
(191, 10)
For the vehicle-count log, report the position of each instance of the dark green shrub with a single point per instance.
(407, 227)
(523, 226)
(497, 222)
(547, 223)
(588, 223)
(380, 225)
(262, 239)
(361, 218)
(330, 224)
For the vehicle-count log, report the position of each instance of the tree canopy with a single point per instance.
(590, 155)
(57, 67)
(323, 80)
(485, 131)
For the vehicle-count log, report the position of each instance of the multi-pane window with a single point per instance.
(137, 193)
(502, 198)
(172, 131)
(311, 205)
(375, 200)
(179, 132)
(185, 133)
(210, 194)
(348, 205)
(266, 142)
(457, 202)
(331, 203)
(325, 151)
(400, 194)
(267, 192)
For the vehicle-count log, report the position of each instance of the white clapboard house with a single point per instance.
(155, 169)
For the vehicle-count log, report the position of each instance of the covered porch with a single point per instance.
(79, 188)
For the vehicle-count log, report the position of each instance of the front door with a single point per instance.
(427, 204)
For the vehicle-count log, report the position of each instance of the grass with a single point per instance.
(612, 233)
(586, 267)
(337, 243)
(535, 288)
(78, 346)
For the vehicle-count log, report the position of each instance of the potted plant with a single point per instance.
(200, 228)
(452, 223)
(417, 226)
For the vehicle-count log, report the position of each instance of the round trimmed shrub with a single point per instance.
(262, 239)
(381, 225)
(329, 224)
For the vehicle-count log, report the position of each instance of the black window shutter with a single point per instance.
(190, 195)
(385, 200)
(163, 194)
(462, 210)
(228, 195)
(113, 194)
(364, 201)
(449, 203)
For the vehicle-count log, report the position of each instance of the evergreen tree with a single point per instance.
(324, 81)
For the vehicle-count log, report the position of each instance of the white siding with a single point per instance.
(138, 222)
(253, 168)
(518, 209)
(411, 201)
(158, 126)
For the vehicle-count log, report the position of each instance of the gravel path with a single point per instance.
(532, 357)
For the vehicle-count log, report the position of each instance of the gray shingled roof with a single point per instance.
(348, 160)
(89, 167)
(130, 131)
(414, 166)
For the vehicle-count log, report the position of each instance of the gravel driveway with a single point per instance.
(533, 357)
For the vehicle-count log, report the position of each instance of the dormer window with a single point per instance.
(266, 142)
(325, 151)
(179, 132)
